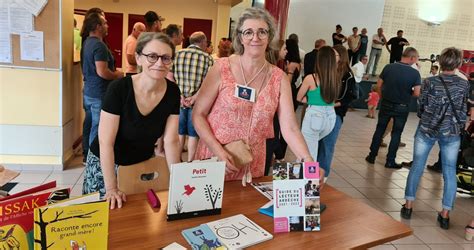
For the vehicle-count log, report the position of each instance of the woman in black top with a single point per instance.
(293, 66)
(136, 112)
(346, 95)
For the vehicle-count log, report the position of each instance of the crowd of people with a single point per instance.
(244, 97)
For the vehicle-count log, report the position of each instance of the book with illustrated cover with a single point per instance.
(196, 189)
(16, 214)
(202, 237)
(267, 209)
(238, 232)
(296, 199)
(265, 188)
(78, 223)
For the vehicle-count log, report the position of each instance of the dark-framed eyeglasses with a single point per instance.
(248, 34)
(153, 58)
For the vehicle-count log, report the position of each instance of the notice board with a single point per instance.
(48, 22)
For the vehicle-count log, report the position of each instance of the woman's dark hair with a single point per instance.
(343, 65)
(84, 32)
(326, 71)
(146, 37)
(293, 54)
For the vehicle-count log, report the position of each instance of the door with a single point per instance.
(191, 25)
(132, 19)
(115, 36)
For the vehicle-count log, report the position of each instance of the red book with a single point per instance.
(17, 218)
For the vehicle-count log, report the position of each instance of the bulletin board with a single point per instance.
(47, 22)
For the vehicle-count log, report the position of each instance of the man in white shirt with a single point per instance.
(378, 41)
(359, 70)
(130, 46)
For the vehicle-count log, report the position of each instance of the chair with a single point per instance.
(139, 178)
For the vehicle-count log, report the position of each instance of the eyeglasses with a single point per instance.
(248, 34)
(153, 58)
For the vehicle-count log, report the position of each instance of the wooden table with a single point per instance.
(346, 223)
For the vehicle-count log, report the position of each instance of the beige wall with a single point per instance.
(457, 30)
(173, 10)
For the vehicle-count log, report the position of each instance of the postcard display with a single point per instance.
(296, 199)
(196, 189)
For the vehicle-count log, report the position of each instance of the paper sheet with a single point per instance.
(32, 46)
(5, 47)
(33, 6)
(21, 20)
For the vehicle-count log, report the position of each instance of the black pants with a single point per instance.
(276, 145)
(395, 57)
(399, 113)
(353, 56)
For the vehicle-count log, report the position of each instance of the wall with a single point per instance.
(457, 30)
(174, 11)
(315, 19)
(35, 108)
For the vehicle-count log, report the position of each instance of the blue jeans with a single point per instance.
(90, 127)
(449, 147)
(186, 123)
(399, 113)
(375, 55)
(318, 122)
(327, 145)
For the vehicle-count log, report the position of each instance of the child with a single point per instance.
(434, 70)
(372, 102)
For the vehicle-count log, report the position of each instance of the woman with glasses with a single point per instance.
(223, 115)
(136, 111)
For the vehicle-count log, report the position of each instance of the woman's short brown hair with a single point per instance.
(252, 13)
(450, 59)
(146, 37)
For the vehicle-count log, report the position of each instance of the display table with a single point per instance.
(346, 223)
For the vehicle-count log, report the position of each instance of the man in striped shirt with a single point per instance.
(190, 67)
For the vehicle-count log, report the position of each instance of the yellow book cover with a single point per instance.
(72, 224)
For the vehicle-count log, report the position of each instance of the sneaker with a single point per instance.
(393, 165)
(405, 213)
(443, 222)
(370, 159)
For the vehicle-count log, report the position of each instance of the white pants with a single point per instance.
(318, 122)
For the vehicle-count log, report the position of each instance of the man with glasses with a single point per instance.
(190, 67)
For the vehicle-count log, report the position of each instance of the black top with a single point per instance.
(398, 81)
(137, 134)
(310, 62)
(346, 95)
(334, 40)
(396, 47)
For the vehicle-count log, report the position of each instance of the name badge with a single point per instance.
(245, 93)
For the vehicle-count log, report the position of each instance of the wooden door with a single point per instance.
(115, 36)
(191, 25)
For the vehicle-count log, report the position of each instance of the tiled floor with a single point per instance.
(381, 188)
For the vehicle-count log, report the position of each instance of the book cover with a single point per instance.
(265, 188)
(202, 237)
(72, 224)
(267, 209)
(16, 216)
(238, 232)
(196, 189)
(49, 185)
(296, 202)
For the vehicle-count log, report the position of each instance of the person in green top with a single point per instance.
(320, 91)
(77, 37)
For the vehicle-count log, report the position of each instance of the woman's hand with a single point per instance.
(230, 166)
(115, 196)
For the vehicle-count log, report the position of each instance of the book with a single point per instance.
(202, 237)
(238, 232)
(196, 189)
(265, 188)
(16, 214)
(267, 209)
(296, 199)
(79, 223)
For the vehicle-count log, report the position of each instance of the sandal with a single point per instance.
(469, 232)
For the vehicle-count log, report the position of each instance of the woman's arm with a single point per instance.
(204, 102)
(289, 127)
(171, 140)
(108, 127)
(304, 88)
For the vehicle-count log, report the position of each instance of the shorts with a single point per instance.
(186, 123)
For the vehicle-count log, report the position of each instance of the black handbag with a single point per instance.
(465, 136)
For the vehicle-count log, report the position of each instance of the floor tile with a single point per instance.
(445, 247)
(352, 192)
(32, 177)
(372, 192)
(430, 235)
(387, 205)
(383, 247)
(409, 240)
(64, 178)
